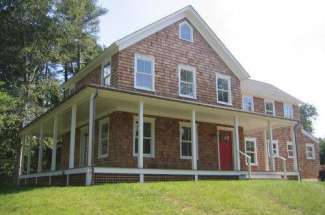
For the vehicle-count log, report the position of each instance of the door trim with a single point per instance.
(222, 128)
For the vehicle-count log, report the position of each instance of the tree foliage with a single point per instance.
(308, 114)
(40, 41)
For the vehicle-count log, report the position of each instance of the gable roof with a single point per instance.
(268, 91)
(310, 136)
(195, 19)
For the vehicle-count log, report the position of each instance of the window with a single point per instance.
(275, 148)
(144, 72)
(250, 149)
(269, 108)
(223, 89)
(83, 156)
(186, 140)
(106, 75)
(186, 32)
(103, 138)
(248, 103)
(288, 111)
(148, 137)
(187, 79)
(290, 149)
(310, 151)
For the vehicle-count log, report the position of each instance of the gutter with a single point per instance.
(297, 160)
(93, 138)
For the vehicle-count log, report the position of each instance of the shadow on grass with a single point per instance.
(11, 189)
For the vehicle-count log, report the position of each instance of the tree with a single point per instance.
(308, 114)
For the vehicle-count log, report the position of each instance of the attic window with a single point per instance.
(106, 75)
(186, 32)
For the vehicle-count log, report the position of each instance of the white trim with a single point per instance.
(102, 73)
(228, 78)
(100, 123)
(188, 68)
(273, 103)
(277, 148)
(313, 151)
(180, 33)
(147, 58)
(292, 150)
(152, 121)
(243, 103)
(310, 136)
(254, 140)
(188, 125)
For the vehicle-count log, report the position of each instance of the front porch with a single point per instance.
(77, 153)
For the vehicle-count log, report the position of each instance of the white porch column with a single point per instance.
(194, 141)
(270, 135)
(21, 158)
(90, 137)
(40, 150)
(72, 135)
(55, 140)
(236, 148)
(28, 158)
(140, 139)
(293, 140)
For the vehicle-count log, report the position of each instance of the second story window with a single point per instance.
(106, 75)
(186, 32)
(288, 111)
(144, 72)
(248, 103)
(223, 89)
(269, 108)
(187, 86)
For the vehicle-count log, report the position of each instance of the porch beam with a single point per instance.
(236, 145)
(140, 139)
(21, 158)
(29, 157)
(90, 137)
(40, 150)
(293, 140)
(55, 140)
(270, 135)
(194, 141)
(72, 135)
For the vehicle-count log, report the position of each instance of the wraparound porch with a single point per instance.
(94, 103)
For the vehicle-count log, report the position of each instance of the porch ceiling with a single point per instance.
(110, 100)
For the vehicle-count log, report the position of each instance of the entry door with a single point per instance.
(83, 146)
(225, 147)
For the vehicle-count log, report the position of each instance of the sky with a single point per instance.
(279, 42)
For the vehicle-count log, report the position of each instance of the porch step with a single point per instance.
(267, 175)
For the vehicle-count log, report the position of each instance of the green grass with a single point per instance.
(203, 197)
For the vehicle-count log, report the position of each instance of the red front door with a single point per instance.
(225, 147)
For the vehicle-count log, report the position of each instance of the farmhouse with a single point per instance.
(168, 102)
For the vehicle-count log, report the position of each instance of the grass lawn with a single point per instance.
(203, 197)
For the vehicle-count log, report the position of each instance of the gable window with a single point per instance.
(223, 89)
(275, 148)
(290, 149)
(269, 108)
(103, 138)
(248, 103)
(186, 31)
(187, 79)
(144, 72)
(288, 111)
(106, 75)
(310, 151)
(148, 137)
(250, 149)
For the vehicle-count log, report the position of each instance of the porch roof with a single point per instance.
(111, 99)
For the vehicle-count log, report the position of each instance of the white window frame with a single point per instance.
(289, 143)
(273, 103)
(149, 120)
(313, 151)
(277, 148)
(100, 123)
(189, 69)
(188, 125)
(252, 139)
(147, 58)
(228, 78)
(243, 103)
(102, 77)
(180, 31)
(284, 111)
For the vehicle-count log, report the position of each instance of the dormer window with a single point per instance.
(186, 32)
(106, 75)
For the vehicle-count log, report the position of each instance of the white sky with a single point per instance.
(280, 41)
